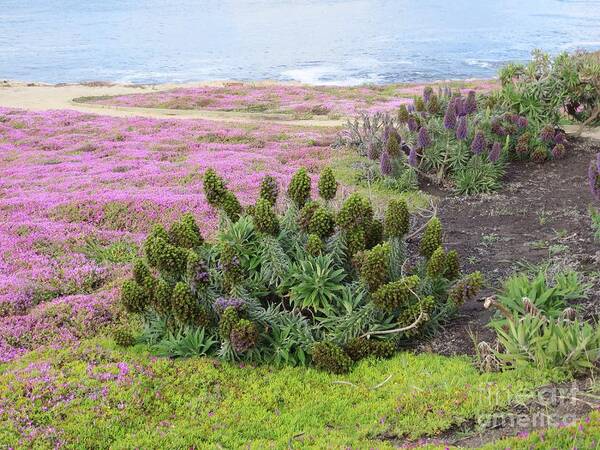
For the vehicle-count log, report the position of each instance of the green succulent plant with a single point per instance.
(265, 219)
(327, 184)
(269, 189)
(432, 237)
(330, 357)
(299, 188)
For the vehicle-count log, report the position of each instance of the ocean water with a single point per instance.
(315, 41)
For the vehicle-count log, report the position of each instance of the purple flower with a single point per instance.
(594, 177)
(411, 107)
(412, 157)
(547, 134)
(450, 117)
(478, 143)
(560, 138)
(494, 154)
(423, 138)
(412, 124)
(372, 151)
(471, 103)
(461, 130)
(385, 164)
(222, 303)
(461, 109)
(558, 151)
(427, 91)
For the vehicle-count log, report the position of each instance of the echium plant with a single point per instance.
(298, 286)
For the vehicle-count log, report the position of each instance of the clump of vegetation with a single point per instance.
(310, 284)
(535, 325)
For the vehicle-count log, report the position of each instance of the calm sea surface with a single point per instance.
(325, 41)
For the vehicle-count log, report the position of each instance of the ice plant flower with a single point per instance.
(478, 143)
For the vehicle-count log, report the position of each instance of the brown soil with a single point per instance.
(541, 214)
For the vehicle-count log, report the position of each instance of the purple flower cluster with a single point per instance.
(423, 139)
(222, 303)
(594, 177)
(385, 164)
(494, 154)
(478, 144)
(412, 157)
(450, 116)
(461, 130)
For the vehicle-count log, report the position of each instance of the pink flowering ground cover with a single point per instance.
(283, 98)
(78, 193)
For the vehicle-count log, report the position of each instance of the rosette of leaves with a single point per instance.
(322, 222)
(243, 336)
(315, 283)
(397, 219)
(269, 189)
(374, 266)
(466, 288)
(330, 357)
(314, 245)
(299, 188)
(265, 219)
(185, 232)
(396, 294)
(432, 237)
(327, 184)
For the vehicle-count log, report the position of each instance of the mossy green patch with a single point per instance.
(95, 395)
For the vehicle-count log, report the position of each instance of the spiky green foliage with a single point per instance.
(395, 294)
(466, 288)
(397, 219)
(437, 264)
(265, 219)
(360, 348)
(306, 214)
(331, 358)
(392, 146)
(269, 189)
(452, 265)
(315, 245)
(123, 337)
(374, 233)
(228, 320)
(315, 283)
(374, 266)
(403, 114)
(432, 237)
(161, 301)
(244, 335)
(416, 313)
(269, 288)
(185, 307)
(299, 188)
(214, 188)
(231, 206)
(185, 232)
(133, 297)
(322, 222)
(356, 212)
(327, 184)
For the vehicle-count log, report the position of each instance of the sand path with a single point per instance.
(38, 97)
